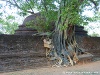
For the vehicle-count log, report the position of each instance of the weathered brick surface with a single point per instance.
(22, 63)
(17, 45)
(19, 52)
(89, 44)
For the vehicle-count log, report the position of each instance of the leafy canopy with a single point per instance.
(9, 25)
(69, 10)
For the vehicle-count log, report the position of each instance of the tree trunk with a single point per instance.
(64, 50)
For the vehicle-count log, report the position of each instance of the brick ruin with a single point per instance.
(26, 51)
(24, 30)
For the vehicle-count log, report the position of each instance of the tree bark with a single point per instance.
(64, 50)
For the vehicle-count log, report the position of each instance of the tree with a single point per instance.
(0, 32)
(64, 47)
(8, 24)
(94, 34)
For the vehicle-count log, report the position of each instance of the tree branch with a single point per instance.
(93, 1)
(95, 4)
(30, 6)
(19, 6)
(44, 4)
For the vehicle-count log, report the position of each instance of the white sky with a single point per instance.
(10, 11)
(92, 27)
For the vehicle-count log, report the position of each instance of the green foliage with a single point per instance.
(22, 13)
(0, 8)
(39, 24)
(95, 34)
(0, 32)
(9, 26)
(70, 11)
(10, 17)
(96, 17)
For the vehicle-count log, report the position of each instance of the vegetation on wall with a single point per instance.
(64, 48)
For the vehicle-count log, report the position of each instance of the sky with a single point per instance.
(93, 27)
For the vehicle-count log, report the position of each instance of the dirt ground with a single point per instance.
(92, 68)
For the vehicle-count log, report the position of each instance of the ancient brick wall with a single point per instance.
(21, 52)
(18, 45)
(25, 51)
(89, 44)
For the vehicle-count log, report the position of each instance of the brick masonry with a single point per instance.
(89, 44)
(18, 52)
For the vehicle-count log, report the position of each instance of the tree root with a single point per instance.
(64, 51)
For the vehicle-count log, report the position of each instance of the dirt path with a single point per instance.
(86, 69)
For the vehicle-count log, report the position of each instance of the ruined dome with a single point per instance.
(23, 29)
(37, 19)
(31, 18)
